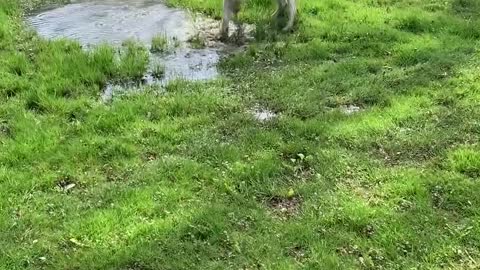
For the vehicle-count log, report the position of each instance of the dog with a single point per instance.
(231, 8)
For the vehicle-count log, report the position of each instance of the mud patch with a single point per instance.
(208, 29)
(283, 207)
(65, 184)
(299, 253)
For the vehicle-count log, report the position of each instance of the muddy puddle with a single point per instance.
(92, 22)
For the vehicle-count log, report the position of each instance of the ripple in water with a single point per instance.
(93, 22)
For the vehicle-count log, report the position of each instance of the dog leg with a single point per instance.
(231, 8)
(227, 16)
(238, 24)
(291, 10)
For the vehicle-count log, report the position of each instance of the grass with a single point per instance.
(197, 42)
(133, 61)
(158, 71)
(189, 179)
(159, 44)
(164, 44)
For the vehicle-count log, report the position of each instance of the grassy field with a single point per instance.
(190, 180)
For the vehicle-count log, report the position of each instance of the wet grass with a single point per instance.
(159, 44)
(158, 71)
(133, 62)
(197, 42)
(189, 179)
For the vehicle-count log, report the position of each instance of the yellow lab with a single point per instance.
(232, 7)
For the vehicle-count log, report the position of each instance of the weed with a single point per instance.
(197, 41)
(176, 42)
(133, 61)
(158, 71)
(159, 44)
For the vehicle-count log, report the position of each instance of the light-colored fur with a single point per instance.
(232, 7)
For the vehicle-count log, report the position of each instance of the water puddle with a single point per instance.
(263, 114)
(350, 109)
(92, 22)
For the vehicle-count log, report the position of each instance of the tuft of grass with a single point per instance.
(176, 42)
(197, 41)
(133, 61)
(159, 44)
(158, 71)
(466, 160)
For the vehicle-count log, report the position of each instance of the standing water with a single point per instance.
(92, 22)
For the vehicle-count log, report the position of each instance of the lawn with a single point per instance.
(189, 179)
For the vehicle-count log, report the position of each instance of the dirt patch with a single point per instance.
(285, 208)
(116, 174)
(149, 156)
(209, 30)
(65, 183)
(299, 253)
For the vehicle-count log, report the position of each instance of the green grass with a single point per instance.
(197, 42)
(189, 179)
(164, 44)
(133, 61)
(158, 70)
(159, 44)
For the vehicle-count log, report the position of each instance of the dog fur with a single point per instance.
(231, 8)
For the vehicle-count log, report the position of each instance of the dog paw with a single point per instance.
(287, 29)
(222, 37)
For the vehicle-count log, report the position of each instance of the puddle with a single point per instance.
(350, 109)
(262, 114)
(112, 21)
(92, 22)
